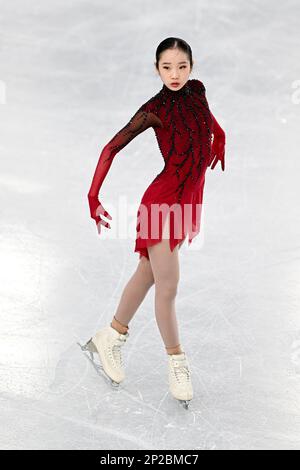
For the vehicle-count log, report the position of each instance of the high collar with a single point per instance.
(185, 90)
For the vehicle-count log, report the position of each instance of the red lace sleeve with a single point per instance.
(140, 121)
(218, 144)
(217, 129)
(219, 140)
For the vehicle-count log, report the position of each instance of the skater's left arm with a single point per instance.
(218, 145)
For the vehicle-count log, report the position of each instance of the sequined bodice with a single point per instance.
(183, 125)
(184, 135)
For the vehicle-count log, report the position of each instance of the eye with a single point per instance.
(182, 67)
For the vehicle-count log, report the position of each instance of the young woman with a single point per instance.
(183, 125)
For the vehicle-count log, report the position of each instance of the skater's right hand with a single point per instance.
(96, 208)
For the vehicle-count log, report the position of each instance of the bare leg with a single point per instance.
(133, 295)
(165, 268)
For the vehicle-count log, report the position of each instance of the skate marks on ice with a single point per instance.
(74, 378)
(152, 418)
(69, 374)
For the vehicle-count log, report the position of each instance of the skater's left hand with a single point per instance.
(217, 152)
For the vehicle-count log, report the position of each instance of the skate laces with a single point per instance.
(115, 350)
(181, 371)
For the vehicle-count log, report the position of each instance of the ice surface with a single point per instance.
(71, 75)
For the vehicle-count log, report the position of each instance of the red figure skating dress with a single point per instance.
(183, 125)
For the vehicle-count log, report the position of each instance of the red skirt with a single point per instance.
(159, 201)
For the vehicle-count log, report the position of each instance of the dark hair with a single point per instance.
(174, 43)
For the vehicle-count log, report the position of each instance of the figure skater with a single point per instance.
(184, 126)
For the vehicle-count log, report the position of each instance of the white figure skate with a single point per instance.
(180, 378)
(107, 342)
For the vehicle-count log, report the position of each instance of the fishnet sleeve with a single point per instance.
(140, 121)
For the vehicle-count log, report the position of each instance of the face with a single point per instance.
(174, 66)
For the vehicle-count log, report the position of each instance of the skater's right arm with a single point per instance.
(140, 121)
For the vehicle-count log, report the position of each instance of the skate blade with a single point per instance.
(89, 350)
(185, 403)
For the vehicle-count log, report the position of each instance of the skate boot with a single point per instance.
(107, 342)
(179, 378)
